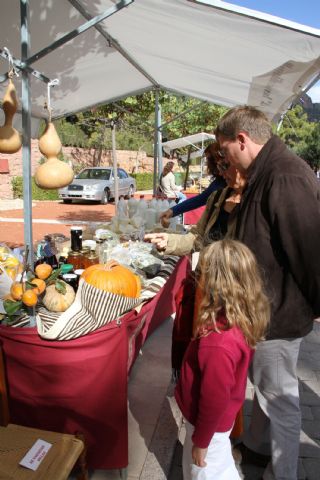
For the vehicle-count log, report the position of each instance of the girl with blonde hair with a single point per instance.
(233, 317)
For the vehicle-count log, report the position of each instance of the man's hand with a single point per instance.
(159, 239)
(198, 456)
(165, 217)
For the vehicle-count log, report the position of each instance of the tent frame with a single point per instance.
(26, 61)
(24, 66)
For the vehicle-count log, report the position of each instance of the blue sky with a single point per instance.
(306, 12)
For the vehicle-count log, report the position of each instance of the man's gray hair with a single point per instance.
(247, 119)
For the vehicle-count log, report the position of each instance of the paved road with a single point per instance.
(49, 217)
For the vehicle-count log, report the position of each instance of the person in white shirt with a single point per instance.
(168, 183)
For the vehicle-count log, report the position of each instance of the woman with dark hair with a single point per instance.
(211, 153)
(168, 183)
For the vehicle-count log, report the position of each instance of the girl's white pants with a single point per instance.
(219, 459)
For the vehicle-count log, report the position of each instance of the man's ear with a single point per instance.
(242, 139)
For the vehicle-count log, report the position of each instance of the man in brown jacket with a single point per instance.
(279, 219)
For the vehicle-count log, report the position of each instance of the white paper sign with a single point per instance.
(36, 454)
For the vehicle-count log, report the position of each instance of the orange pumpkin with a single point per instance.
(113, 277)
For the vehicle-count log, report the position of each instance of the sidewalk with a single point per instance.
(309, 384)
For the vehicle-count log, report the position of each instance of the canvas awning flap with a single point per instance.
(205, 51)
(190, 140)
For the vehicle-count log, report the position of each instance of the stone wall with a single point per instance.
(131, 161)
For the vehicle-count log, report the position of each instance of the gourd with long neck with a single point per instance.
(53, 173)
(10, 140)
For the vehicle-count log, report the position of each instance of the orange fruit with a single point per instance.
(17, 290)
(43, 270)
(29, 298)
(41, 285)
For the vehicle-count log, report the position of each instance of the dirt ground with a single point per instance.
(12, 233)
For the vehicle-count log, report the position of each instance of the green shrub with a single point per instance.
(144, 181)
(37, 193)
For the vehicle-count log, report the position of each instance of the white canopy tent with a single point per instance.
(209, 49)
(188, 141)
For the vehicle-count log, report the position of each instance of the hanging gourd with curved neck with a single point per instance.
(10, 139)
(54, 173)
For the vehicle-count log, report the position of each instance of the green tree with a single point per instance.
(302, 136)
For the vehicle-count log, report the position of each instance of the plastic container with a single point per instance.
(132, 206)
(153, 202)
(142, 207)
(66, 268)
(165, 205)
(122, 207)
(151, 217)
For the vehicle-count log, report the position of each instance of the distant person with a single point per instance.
(210, 153)
(233, 317)
(168, 183)
(279, 220)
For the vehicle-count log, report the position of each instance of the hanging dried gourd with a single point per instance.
(10, 139)
(53, 173)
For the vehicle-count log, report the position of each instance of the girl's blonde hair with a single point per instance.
(231, 283)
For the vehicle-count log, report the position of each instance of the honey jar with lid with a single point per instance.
(90, 259)
(76, 259)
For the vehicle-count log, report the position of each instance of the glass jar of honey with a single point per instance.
(76, 259)
(90, 259)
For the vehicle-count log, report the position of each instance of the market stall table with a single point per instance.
(80, 385)
(192, 217)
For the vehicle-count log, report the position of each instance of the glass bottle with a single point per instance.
(49, 252)
(76, 238)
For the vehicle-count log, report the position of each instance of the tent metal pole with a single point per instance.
(19, 64)
(77, 31)
(159, 140)
(115, 165)
(156, 172)
(26, 131)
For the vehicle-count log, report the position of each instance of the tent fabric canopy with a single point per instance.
(188, 141)
(211, 51)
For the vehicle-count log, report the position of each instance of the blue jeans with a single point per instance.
(181, 196)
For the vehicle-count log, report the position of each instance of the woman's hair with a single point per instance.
(248, 119)
(167, 168)
(211, 153)
(231, 284)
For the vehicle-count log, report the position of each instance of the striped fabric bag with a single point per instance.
(94, 308)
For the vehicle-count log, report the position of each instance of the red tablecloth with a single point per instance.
(81, 384)
(192, 217)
